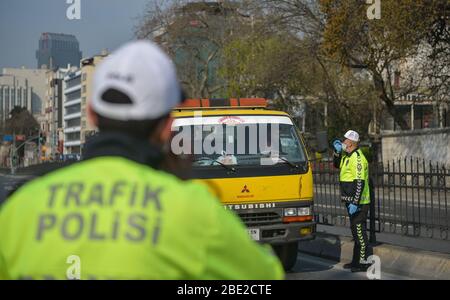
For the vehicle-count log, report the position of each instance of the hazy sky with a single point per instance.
(104, 24)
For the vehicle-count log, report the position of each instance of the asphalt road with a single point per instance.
(315, 268)
(9, 183)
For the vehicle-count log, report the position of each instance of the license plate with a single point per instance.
(254, 233)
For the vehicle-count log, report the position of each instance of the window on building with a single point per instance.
(84, 89)
(73, 123)
(73, 136)
(73, 82)
(75, 150)
(446, 117)
(73, 96)
(1, 104)
(73, 109)
(7, 101)
(83, 77)
(20, 97)
(405, 112)
(397, 79)
(428, 117)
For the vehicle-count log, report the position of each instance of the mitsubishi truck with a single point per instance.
(255, 161)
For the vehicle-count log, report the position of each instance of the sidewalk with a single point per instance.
(420, 243)
(400, 256)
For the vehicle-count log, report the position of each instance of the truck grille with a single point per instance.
(260, 219)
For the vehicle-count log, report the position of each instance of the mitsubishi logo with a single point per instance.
(245, 189)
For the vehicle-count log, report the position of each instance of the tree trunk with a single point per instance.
(392, 110)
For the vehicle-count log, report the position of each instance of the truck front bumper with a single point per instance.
(286, 233)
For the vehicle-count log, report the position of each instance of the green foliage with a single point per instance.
(381, 45)
(350, 36)
(287, 68)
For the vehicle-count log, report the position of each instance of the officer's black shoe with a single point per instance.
(348, 266)
(360, 268)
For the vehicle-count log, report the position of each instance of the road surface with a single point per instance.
(315, 268)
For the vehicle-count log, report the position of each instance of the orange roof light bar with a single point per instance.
(229, 102)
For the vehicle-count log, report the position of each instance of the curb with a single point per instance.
(395, 259)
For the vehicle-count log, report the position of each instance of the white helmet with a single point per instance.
(352, 136)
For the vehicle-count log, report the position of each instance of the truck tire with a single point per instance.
(287, 253)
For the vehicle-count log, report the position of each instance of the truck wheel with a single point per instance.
(287, 254)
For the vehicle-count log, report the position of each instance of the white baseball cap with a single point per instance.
(143, 74)
(352, 136)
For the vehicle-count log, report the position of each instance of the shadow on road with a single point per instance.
(325, 246)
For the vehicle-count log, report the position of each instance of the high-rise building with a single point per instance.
(22, 87)
(13, 92)
(57, 50)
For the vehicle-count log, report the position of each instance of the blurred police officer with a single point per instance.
(117, 215)
(354, 185)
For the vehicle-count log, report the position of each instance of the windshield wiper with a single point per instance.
(289, 162)
(283, 159)
(232, 169)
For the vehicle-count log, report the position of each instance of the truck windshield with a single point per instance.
(218, 143)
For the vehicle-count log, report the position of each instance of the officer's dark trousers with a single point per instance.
(358, 226)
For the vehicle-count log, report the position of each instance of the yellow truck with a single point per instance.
(255, 161)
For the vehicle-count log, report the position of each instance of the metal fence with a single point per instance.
(410, 197)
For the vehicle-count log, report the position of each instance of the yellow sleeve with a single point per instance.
(3, 272)
(233, 255)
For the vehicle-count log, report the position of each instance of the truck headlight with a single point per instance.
(288, 212)
(304, 211)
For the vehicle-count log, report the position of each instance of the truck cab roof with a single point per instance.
(227, 107)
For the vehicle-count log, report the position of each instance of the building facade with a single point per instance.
(72, 112)
(77, 92)
(57, 50)
(52, 127)
(417, 98)
(22, 87)
(13, 92)
(419, 112)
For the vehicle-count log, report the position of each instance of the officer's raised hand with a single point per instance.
(337, 145)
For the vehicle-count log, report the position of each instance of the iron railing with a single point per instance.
(410, 197)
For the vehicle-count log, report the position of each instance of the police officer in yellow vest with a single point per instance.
(354, 184)
(116, 214)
